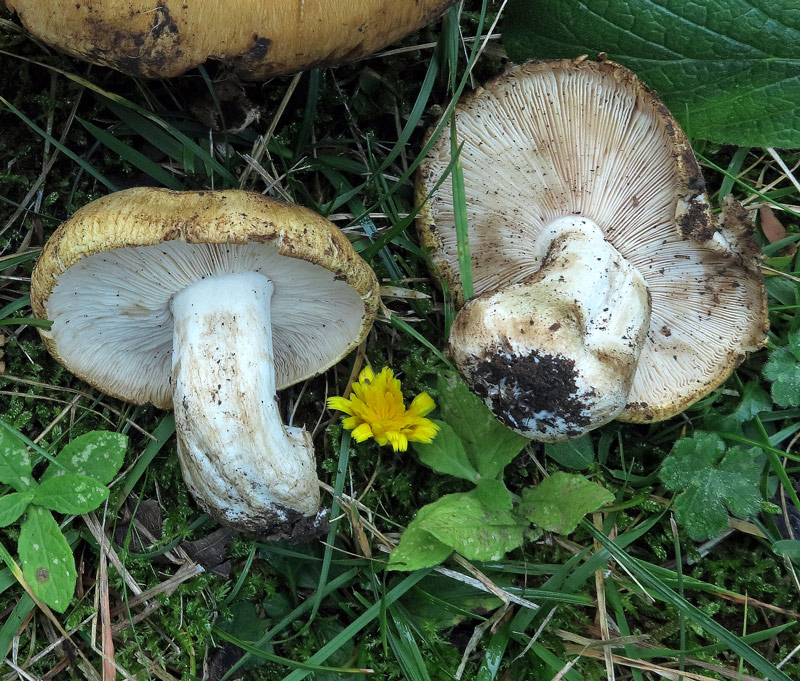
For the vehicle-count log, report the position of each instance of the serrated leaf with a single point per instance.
(783, 369)
(12, 506)
(465, 524)
(489, 445)
(15, 464)
(728, 69)
(70, 494)
(577, 454)
(98, 454)
(558, 503)
(47, 561)
(494, 494)
(446, 454)
(754, 401)
(711, 479)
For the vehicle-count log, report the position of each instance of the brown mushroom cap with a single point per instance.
(579, 138)
(259, 38)
(117, 334)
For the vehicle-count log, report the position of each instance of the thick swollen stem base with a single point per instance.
(244, 467)
(554, 356)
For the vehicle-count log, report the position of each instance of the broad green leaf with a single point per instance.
(728, 69)
(477, 532)
(783, 369)
(446, 454)
(494, 494)
(709, 479)
(577, 454)
(15, 464)
(558, 503)
(47, 561)
(787, 547)
(418, 548)
(488, 443)
(13, 505)
(70, 494)
(98, 454)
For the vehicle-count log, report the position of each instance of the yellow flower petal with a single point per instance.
(340, 404)
(366, 375)
(422, 404)
(351, 422)
(398, 440)
(363, 432)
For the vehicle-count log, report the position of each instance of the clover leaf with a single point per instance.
(709, 479)
(783, 369)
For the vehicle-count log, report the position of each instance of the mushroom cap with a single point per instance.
(580, 138)
(107, 275)
(259, 38)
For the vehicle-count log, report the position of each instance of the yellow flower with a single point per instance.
(376, 410)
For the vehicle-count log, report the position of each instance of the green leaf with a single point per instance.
(456, 522)
(13, 505)
(577, 454)
(558, 503)
(446, 454)
(787, 547)
(47, 561)
(754, 401)
(71, 494)
(493, 494)
(783, 369)
(489, 445)
(15, 465)
(729, 69)
(711, 478)
(98, 454)
(418, 548)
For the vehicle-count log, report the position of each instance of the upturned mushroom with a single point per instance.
(209, 302)
(604, 286)
(257, 38)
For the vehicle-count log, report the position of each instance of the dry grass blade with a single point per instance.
(662, 671)
(109, 671)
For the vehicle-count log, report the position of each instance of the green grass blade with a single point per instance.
(658, 589)
(263, 654)
(135, 158)
(13, 622)
(14, 305)
(83, 164)
(162, 433)
(358, 624)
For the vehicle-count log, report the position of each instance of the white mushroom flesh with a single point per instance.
(554, 356)
(237, 457)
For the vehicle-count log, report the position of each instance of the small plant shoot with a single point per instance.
(73, 483)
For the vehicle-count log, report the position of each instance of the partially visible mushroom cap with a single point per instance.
(579, 139)
(259, 38)
(107, 276)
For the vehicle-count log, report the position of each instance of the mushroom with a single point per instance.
(604, 287)
(260, 39)
(209, 302)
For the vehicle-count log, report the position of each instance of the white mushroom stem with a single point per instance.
(554, 356)
(240, 462)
